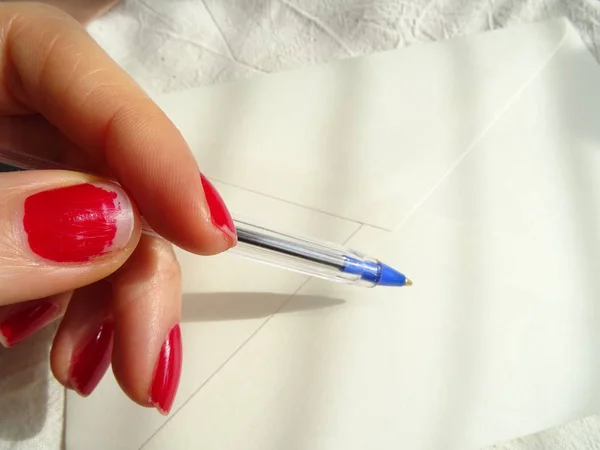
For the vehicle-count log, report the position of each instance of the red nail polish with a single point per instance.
(167, 372)
(219, 213)
(78, 223)
(24, 322)
(90, 361)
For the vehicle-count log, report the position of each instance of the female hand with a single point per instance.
(70, 244)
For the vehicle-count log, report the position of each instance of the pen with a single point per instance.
(311, 257)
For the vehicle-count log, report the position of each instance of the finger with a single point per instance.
(84, 11)
(146, 309)
(82, 347)
(32, 135)
(21, 320)
(60, 231)
(53, 66)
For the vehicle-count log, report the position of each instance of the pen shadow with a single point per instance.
(219, 307)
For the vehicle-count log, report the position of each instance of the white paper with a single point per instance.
(492, 188)
(365, 139)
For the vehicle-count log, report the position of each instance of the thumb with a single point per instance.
(60, 231)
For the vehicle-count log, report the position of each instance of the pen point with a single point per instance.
(408, 282)
(391, 277)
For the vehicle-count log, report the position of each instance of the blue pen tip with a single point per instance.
(391, 277)
(376, 272)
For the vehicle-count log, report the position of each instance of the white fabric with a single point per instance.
(174, 44)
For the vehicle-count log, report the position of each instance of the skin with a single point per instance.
(82, 10)
(63, 98)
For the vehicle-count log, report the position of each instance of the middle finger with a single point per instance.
(146, 307)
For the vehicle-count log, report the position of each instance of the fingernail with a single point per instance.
(219, 213)
(167, 372)
(78, 223)
(91, 359)
(26, 321)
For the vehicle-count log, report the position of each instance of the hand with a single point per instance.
(70, 244)
(82, 10)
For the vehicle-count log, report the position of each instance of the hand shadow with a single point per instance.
(214, 307)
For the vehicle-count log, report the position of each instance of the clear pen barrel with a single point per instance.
(317, 259)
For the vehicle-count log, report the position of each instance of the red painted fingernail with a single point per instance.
(167, 372)
(218, 211)
(26, 321)
(78, 223)
(90, 361)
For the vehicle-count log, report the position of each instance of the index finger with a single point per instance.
(52, 66)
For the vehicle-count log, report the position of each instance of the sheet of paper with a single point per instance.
(493, 195)
(498, 337)
(365, 139)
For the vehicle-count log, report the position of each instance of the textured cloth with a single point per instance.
(169, 45)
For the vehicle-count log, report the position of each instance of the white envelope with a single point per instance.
(474, 166)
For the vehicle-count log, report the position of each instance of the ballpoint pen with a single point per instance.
(307, 256)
